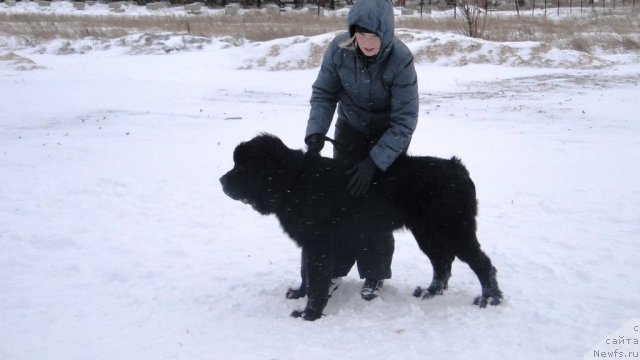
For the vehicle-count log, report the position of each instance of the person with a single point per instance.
(369, 75)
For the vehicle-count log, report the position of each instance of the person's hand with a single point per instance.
(315, 143)
(361, 175)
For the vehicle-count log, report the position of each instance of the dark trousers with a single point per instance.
(374, 254)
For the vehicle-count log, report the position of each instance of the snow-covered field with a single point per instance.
(116, 241)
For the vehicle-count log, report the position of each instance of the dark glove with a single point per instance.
(315, 143)
(361, 175)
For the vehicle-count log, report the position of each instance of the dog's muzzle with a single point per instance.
(226, 188)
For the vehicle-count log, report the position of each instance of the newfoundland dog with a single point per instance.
(434, 198)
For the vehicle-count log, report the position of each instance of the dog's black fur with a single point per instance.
(434, 198)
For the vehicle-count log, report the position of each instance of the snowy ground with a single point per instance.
(116, 241)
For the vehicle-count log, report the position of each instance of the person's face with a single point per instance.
(368, 43)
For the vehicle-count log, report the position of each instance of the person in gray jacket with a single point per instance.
(369, 75)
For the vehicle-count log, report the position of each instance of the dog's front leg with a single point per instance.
(301, 291)
(318, 264)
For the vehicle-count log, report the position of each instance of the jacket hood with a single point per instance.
(375, 15)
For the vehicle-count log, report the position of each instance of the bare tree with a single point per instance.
(474, 16)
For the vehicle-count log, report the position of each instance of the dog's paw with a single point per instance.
(491, 295)
(419, 291)
(309, 315)
(429, 292)
(483, 301)
(295, 294)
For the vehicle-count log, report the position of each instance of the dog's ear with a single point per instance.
(274, 147)
(270, 141)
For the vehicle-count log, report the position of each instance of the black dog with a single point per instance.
(434, 198)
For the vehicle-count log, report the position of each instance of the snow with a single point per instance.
(116, 241)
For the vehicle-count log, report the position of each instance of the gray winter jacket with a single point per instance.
(383, 97)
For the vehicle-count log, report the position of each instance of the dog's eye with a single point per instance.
(240, 168)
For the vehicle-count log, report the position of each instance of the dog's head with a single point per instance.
(263, 170)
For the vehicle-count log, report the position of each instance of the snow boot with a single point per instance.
(371, 289)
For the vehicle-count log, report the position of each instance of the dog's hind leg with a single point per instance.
(301, 291)
(467, 249)
(441, 259)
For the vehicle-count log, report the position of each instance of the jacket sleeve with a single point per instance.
(404, 116)
(324, 96)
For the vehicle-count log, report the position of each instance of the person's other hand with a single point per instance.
(361, 175)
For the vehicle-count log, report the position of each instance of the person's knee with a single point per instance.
(383, 245)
